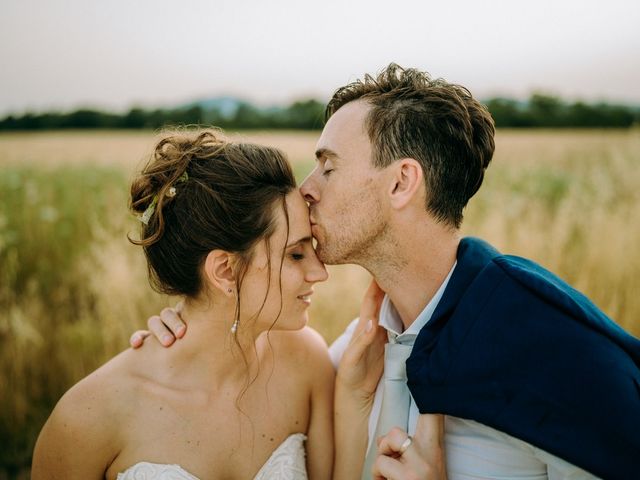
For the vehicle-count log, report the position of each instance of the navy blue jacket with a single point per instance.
(512, 346)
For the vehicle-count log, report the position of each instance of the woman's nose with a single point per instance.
(317, 271)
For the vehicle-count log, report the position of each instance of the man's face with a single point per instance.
(345, 192)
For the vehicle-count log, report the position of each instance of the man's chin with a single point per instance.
(327, 256)
(322, 253)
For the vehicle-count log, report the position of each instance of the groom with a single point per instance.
(535, 381)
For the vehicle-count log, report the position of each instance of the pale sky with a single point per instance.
(113, 54)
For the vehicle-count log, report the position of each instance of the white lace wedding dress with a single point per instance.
(285, 463)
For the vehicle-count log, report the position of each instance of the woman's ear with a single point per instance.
(219, 271)
(407, 182)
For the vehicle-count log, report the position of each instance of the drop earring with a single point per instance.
(234, 327)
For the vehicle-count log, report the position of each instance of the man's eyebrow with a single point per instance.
(325, 152)
(299, 241)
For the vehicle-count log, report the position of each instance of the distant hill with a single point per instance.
(226, 105)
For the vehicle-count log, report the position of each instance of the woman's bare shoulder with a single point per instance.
(105, 394)
(99, 393)
(305, 342)
(82, 434)
(304, 350)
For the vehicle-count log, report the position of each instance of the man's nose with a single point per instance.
(309, 189)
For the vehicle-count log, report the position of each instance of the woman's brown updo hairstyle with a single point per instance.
(227, 200)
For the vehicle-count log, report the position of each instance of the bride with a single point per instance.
(224, 226)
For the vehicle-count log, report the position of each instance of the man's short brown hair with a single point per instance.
(432, 121)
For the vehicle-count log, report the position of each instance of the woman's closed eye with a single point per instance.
(296, 256)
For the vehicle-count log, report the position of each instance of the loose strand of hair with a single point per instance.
(284, 249)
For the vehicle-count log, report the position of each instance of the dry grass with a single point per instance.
(72, 288)
(123, 148)
(570, 201)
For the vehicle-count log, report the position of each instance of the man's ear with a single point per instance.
(406, 183)
(219, 271)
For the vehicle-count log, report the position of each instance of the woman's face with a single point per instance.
(300, 270)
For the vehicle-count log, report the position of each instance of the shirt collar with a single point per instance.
(391, 322)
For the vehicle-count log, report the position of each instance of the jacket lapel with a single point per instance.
(472, 256)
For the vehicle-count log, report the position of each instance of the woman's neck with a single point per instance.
(210, 355)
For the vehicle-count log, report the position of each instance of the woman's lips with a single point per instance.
(306, 297)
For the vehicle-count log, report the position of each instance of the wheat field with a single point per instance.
(72, 288)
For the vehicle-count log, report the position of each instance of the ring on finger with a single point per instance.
(405, 445)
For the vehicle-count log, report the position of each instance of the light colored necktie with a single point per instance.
(396, 398)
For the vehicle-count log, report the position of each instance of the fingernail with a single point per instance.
(180, 330)
(369, 326)
(166, 339)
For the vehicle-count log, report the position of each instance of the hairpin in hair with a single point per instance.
(146, 215)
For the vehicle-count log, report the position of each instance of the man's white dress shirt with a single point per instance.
(473, 450)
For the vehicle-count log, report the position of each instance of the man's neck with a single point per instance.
(418, 270)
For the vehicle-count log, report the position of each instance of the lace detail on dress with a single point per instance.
(287, 462)
(155, 471)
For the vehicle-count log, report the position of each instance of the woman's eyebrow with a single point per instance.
(299, 241)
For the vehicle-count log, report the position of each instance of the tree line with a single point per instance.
(552, 112)
(303, 115)
(539, 111)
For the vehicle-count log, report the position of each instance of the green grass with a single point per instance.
(51, 221)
